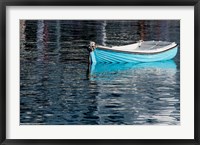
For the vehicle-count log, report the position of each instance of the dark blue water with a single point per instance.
(56, 87)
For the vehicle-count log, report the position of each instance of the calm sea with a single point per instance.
(57, 88)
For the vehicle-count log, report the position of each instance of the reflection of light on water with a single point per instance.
(123, 77)
(40, 31)
(104, 71)
(40, 40)
(101, 37)
(56, 90)
(58, 35)
(22, 28)
(135, 88)
(104, 32)
(22, 33)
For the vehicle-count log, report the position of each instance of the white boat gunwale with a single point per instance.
(135, 52)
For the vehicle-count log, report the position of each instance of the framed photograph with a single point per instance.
(99, 72)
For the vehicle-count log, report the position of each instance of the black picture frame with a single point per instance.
(5, 3)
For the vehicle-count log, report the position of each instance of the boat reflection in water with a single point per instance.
(143, 93)
(108, 71)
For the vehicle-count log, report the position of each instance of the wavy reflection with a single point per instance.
(111, 70)
(142, 93)
(54, 88)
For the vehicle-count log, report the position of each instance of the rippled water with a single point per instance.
(56, 86)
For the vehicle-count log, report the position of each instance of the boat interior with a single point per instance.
(143, 46)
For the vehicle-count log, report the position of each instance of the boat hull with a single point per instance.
(111, 56)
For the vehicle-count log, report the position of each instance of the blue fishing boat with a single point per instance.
(142, 51)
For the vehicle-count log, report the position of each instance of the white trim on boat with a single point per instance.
(142, 47)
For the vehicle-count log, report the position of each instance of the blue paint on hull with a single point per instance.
(109, 56)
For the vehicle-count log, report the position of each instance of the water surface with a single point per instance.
(57, 88)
